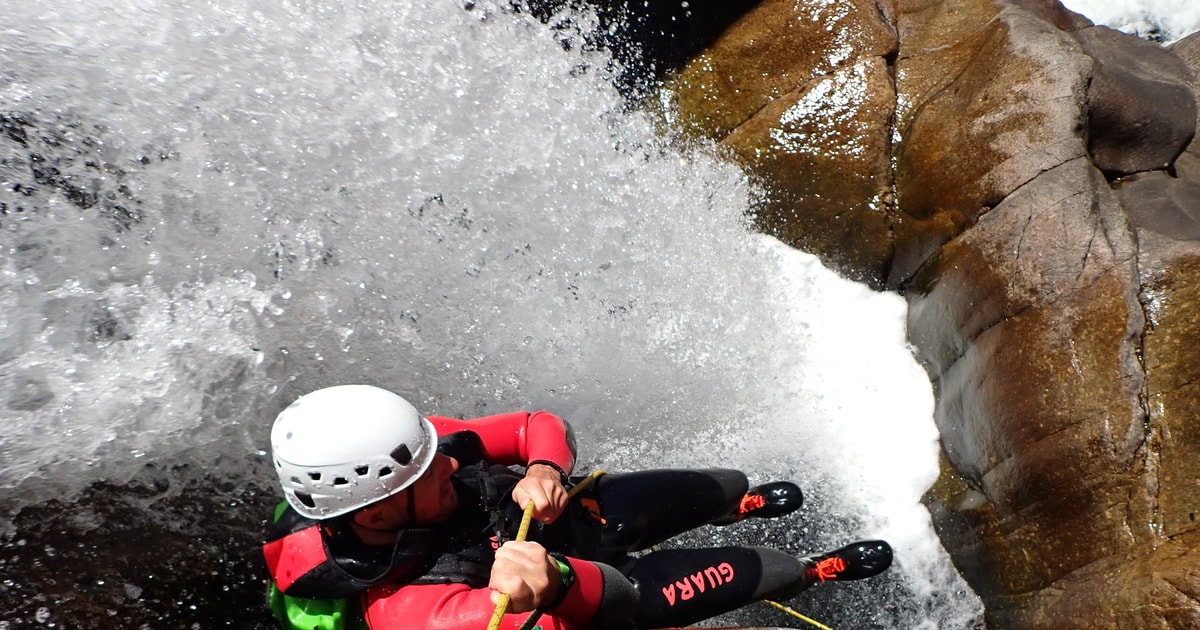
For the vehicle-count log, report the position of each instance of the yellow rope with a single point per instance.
(502, 605)
(583, 483)
(522, 532)
(797, 615)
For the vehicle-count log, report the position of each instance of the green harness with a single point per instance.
(299, 613)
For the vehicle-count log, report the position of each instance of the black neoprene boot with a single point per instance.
(768, 500)
(856, 561)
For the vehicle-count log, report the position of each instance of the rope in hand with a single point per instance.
(522, 532)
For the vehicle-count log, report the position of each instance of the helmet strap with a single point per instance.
(412, 506)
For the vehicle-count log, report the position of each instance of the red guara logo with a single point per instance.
(698, 582)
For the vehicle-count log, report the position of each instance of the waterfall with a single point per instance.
(1160, 20)
(210, 208)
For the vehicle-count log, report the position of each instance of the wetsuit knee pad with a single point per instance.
(783, 575)
(618, 601)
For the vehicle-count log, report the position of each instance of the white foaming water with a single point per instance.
(1168, 20)
(449, 203)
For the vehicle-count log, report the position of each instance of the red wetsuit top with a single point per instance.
(512, 438)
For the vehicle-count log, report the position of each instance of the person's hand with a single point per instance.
(542, 485)
(527, 574)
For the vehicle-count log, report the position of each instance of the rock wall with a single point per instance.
(1030, 182)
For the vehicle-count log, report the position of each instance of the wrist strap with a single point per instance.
(567, 572)
(545, 462)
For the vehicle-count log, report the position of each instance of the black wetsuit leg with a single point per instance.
(641, 509)
(678, 587)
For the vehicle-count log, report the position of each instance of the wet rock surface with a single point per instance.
(1141, 109)
(1042, 222)
(802, 94)
(789, 139)
(143, 555)
(1168, 206)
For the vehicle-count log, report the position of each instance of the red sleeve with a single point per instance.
(519, 437)
(460, 607)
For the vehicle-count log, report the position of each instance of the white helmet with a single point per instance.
(340, 448)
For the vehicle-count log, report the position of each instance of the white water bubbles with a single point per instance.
(449, 203)
(107, 378)
(1161, 20)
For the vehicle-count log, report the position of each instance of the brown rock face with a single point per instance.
(981, 114)
(1032, 318)
(1032, 184)
(1141, 108)
(1168, 206)
(1040, 326)
(824, 149)
(1188, 49)
(1165, 210)
(778, 47)
(802, 94)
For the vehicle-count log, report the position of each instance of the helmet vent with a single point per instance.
(402, 455)
(338, 449)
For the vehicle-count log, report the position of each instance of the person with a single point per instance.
(394, 520)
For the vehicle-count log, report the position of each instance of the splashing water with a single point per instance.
(211, 208)
(1162, 20)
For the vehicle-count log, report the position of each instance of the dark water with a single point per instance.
(144, 555)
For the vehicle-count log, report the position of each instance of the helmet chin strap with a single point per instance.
(411, 511)
(412, 506)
